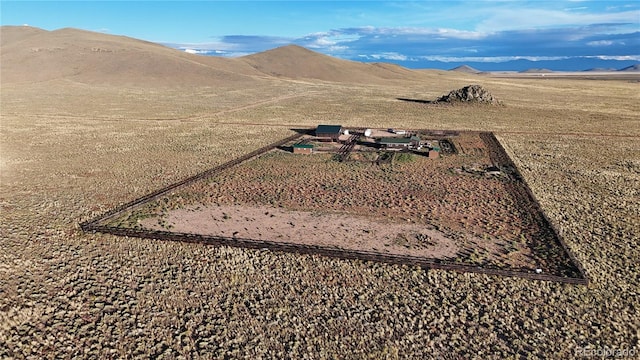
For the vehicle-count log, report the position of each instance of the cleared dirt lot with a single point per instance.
(330, 230)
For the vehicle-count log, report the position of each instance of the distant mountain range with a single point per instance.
(571, 64)
(470, 70)
(634, 68)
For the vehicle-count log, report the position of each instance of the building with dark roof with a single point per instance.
(399, 143)
(302, 148)
(331, 132)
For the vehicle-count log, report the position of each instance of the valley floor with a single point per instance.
(71, 151)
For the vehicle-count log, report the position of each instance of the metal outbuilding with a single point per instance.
(302, 148)
(395, 143)
(329, 132)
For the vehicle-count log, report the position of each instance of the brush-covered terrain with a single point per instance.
(79, 140)
(410, 206)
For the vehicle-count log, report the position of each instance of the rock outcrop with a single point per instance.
(469, 94)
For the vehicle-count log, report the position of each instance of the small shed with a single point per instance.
(331, 132)
(302, 148)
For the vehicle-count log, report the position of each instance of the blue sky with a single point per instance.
(405, 32)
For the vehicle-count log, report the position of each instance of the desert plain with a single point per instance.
(91, 121)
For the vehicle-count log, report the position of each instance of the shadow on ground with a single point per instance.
(421, 101)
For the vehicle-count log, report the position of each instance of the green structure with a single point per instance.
(303, 148)
(329, 132)
(394, 142)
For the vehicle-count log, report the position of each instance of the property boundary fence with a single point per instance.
(426, 263)
(95, 225)
(492, 141)
(89, 225)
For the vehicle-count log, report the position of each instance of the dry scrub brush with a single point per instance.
(491, 219)
(67, 294)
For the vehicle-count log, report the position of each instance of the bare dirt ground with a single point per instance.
(299, 227)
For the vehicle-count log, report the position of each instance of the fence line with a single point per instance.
(156, 194)
(551, 224)
(426, 263)
(489, 138)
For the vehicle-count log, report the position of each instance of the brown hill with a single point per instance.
(632, 68)
(10, 34)
(297, 62)
(466, 69)
(33, 55)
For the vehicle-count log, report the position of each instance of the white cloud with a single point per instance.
(441, 44)
(460, 34)
(205, 47)
(518, 19)
(619, 58)
(329, 40)
(335, 48)
(576, 8)
(390, 56)
(217, 52)
(418, 31)
(601, 43)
